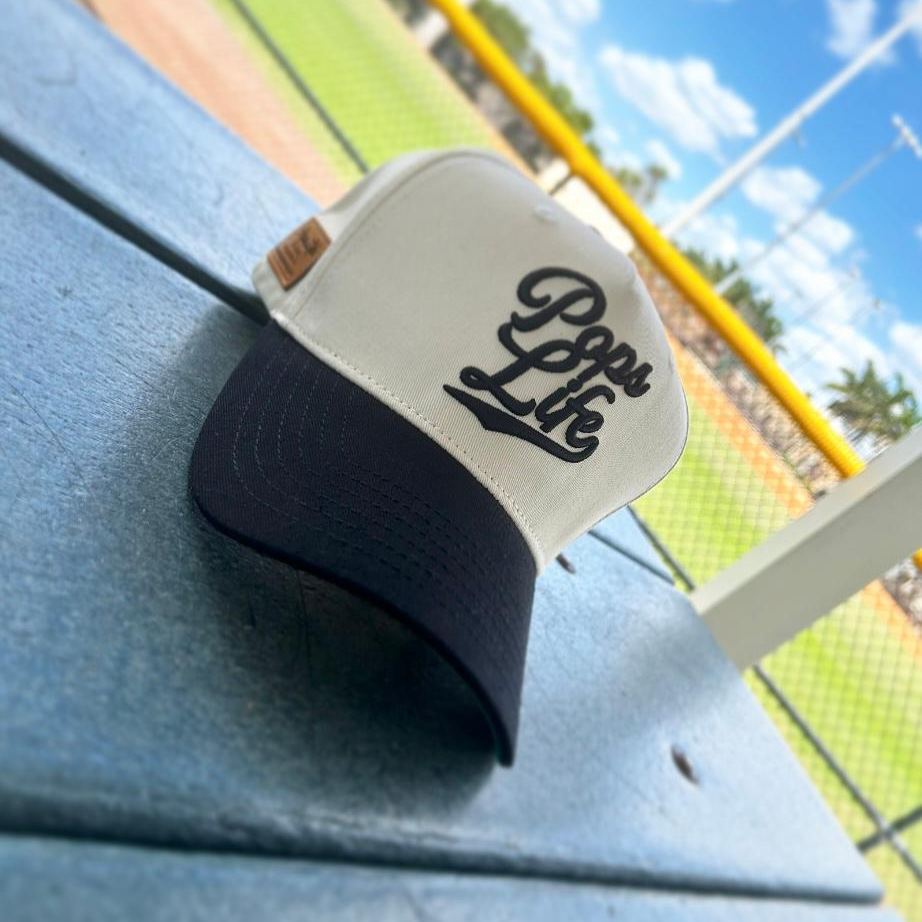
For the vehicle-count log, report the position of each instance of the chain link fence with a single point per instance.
(327, 90)
(846, 693)
(362, 83)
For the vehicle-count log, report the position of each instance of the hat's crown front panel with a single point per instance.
(511, 333)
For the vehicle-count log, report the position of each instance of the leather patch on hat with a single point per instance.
(292, 258)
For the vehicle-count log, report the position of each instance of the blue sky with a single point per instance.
(693, 83)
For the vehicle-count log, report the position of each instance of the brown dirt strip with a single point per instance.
(189, 42)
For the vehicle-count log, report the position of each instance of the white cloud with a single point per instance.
(816, 358)
(609, 140)
(803, 279)
(784, 192)
(555, 31)
(787, 193)
(918, 231)
(830, 234)
(829, 311)
(852, 24)
(661, 155)
(684, 98)
(906, 339)
(822, 305)
(852, 28)
(904, 9)
(802, 271)
(828, 354)
(716, 234)
(627, 158)
(580, 12)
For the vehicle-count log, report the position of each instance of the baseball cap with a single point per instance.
(458, 379)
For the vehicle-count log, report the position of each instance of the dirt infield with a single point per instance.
(189, 42)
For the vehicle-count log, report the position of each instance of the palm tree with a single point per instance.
(871, 407)
(904, 415)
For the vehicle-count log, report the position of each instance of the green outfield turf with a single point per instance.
(849, 675)
(315, 132)
(712, 507)
(380, 87)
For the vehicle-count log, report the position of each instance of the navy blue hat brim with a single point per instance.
(302, 464)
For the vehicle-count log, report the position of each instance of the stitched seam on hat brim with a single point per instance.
(413, 560)
(478, 578)
(327, 354)
(445, 527)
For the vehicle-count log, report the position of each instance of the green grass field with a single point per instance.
(712, 507)
(849, 675)
(370, 75)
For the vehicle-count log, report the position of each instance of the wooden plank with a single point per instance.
(84, 114)
(47, 880)
(162, 684)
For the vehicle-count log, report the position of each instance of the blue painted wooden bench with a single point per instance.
(193, 731)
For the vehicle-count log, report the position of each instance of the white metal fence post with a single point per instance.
(849, 538)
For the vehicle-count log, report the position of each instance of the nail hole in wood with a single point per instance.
(683, 764)
(565, 564)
